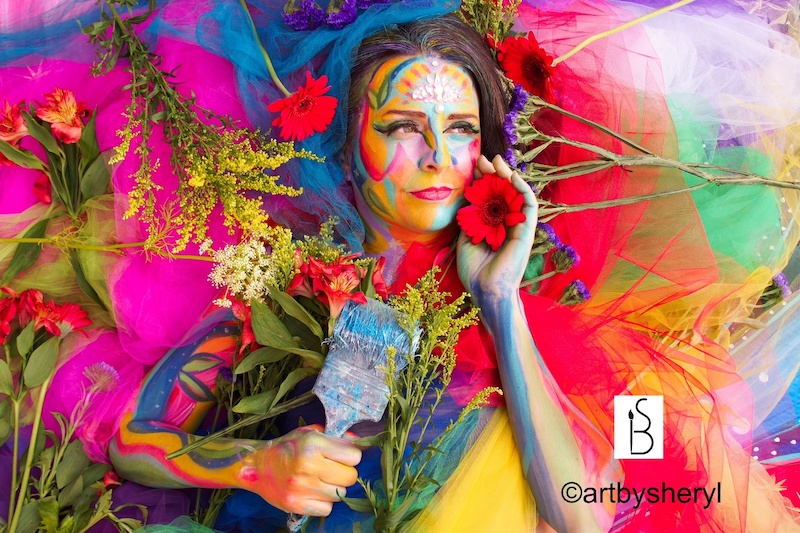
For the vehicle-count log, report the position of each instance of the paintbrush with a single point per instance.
(352, 384)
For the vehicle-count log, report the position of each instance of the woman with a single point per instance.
(559, 398)
(409, 158)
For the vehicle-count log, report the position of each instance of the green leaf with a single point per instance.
(42, 134)
(268, 328)
(26, 254)
(256, 404)
(70, 494)
(83, 283)
(66, 524)
(95, 472)
(94, 180)
(295, 310)
(360, 505)
(261, 356)
(48, 512)
(23, 158)
(315, 359)
(294, 377)
(5, 431)
(366, 282)
(368, 442)
(42, 363)
(25, 340)
(87, 144)
(6, 380)
(29, 516)
(72, 465)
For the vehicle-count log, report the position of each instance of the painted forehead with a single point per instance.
(409, 80)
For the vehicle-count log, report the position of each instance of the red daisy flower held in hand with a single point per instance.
(494, 206)
(306, 111)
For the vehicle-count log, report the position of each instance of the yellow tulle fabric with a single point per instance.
(487, 492)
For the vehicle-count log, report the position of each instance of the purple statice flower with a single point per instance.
(519, 97)
(345, 14)
(551, 233)
(226, 374)
(565, 257)
(510, 129)
(364, 4)
(510, 158)
(575, 293)
(309, 16)
(783, 284)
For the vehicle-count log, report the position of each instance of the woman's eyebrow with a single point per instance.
(424, 115)
(404, 113)
(462, 116)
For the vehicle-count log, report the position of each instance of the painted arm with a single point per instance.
(300, 472)
(551, 454)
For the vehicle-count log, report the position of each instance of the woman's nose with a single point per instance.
(437, 156)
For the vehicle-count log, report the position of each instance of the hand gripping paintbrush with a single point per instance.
(352, 384)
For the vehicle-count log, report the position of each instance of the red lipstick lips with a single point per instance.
(433, 193)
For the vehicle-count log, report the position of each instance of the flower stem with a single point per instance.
(14, 460)
(29, 456)
(547, 212)
(275, 411)
(274, 75)
(602, 35)
(111, 248)
(538, 278)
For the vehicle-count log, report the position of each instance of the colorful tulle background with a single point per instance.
(672, 278)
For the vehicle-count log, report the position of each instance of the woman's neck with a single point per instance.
(393, 243)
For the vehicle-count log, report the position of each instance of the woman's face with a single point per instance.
(415, 146)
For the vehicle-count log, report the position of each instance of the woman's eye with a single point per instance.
(400, 130)
(463, 128)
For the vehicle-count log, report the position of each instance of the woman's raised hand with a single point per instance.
(302, 472)
(495, 276)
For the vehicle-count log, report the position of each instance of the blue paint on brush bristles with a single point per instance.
(352, 384)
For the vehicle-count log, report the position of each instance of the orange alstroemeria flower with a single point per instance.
(12, 125)
(64, 114)
(332, 285)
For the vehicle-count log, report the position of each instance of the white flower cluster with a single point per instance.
(246, 269)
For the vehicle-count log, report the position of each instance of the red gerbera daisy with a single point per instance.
(527, 64)
(306, 111)
(495, 206)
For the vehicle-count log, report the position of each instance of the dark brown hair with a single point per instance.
(450, 39)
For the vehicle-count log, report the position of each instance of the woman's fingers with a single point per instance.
(341, 451)
(501, 168)
(483, 166)
(338, 474)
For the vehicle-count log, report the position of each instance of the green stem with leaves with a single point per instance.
(275, 411)
(110, 248)
(267, 61)
(14, 458)
(37, 421)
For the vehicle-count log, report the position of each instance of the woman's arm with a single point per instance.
(301, 472)
(551, 453)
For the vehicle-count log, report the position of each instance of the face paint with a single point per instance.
(418, 138)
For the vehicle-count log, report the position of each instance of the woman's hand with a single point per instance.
(492, 277)
(302, 472)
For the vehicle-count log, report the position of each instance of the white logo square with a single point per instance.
(638, 427)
